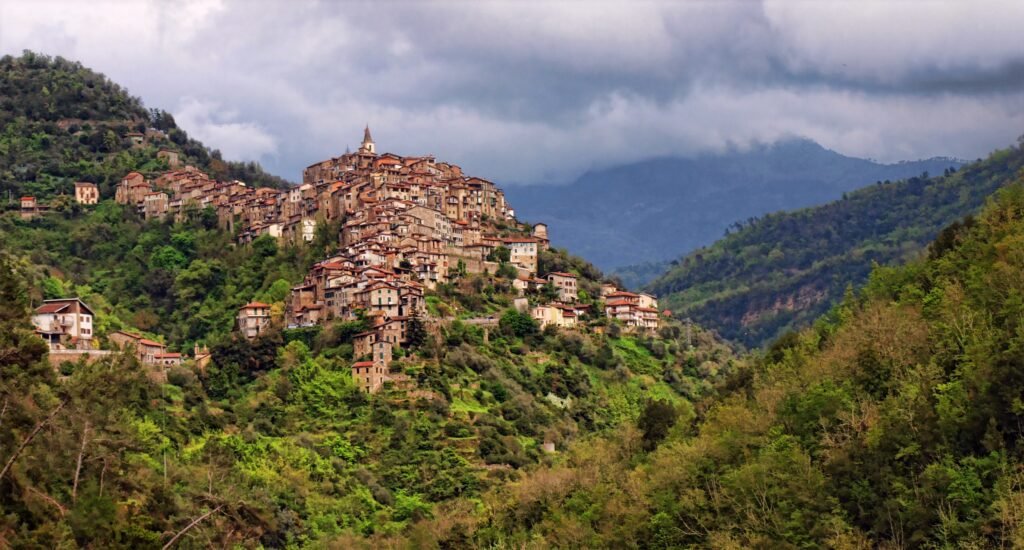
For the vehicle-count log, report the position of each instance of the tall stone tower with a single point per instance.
(367, 146)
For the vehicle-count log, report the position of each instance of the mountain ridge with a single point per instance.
(659, 208)
(787, 268)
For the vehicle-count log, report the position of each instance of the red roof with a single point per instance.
(562, 274)
(363, 364)
(55, 305)
(166, 355)
(254, 305)
(146, 342)
(51, 308)
(622, 293)
(28, 198)
(519, 240)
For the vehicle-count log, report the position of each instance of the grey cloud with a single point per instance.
(534, 91)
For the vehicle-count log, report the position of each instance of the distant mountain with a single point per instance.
(660, 208)
(785, 270)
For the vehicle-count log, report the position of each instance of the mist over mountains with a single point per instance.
(659, 209)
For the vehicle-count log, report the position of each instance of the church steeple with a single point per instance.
(367, 146)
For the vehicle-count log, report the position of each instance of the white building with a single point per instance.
(64, 324)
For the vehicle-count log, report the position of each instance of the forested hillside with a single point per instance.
(786, 269)
(61, 123)
(184, 281)
(894, 422)
(272, 443)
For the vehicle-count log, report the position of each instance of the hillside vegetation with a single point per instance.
(786, 269)
(274, 444)
(271, 444)
(894, 422)
(61, 123)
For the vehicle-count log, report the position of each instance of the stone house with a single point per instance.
(370, 375)
(523, 252)
(565, 283)
(132, 189)
(253, 319)
(172, 158)
(167, 360)
(137, 139)
(145, 350)
(154, 205)
(86, 192)
(540, 232)
(30, 208)
(647, 301)
(552, 314)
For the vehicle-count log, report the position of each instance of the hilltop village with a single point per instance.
(404, 226)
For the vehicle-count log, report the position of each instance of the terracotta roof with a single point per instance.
(562, 274)
(363, 364)
(166, 355)
(622, 293)
(254, 305)
(519, 240)
(147, 342)
(332, 265)
(51, 308)
(64, 302)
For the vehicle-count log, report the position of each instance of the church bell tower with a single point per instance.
(367, 146)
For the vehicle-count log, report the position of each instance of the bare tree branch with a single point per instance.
(191, 525)
(3, 412)
(27, 440)
(60, 507)
(78, 466)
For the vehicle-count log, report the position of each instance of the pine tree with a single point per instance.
(416, 331)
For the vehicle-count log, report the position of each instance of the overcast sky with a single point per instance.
(536, 91)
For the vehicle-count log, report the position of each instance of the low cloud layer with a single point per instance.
(540, 91)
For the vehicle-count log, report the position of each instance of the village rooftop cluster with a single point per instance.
(405, 225)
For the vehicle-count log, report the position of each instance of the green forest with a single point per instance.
(893, 421)
(891, 418)
(61, 123)
(785, 270)
(272, 442)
